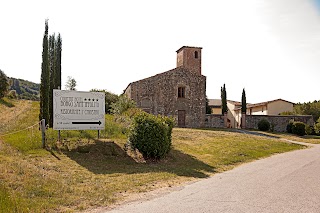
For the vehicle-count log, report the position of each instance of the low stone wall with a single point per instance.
(214, 121)
(279, 121)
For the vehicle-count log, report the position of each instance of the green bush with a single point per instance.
(263, 125)
(299, 128)
(309, 130)
(289, 126)
(317, 127)
(121, 105)
(151, 135)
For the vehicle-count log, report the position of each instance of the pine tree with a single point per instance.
(44, 84)
(244, 102)
(224, 99)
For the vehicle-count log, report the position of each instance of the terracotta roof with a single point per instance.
(235, 102)
(214, 102)
(262, 104)
(217, 102)
(267, 102)
(187, 47)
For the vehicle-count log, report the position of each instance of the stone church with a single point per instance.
(179, 93)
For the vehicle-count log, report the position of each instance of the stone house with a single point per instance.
(179, 93)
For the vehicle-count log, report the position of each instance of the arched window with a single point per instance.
(181, 92)
(196, 54)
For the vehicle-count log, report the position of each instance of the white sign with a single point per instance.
(74, 110)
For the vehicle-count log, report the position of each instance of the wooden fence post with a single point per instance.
(43, 131)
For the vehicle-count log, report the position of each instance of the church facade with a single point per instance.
(179, 93)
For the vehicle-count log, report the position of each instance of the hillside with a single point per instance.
(82, 172)
(25, 89)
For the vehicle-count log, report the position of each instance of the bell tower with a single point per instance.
(190, 58)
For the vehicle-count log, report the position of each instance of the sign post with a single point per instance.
(75, 110)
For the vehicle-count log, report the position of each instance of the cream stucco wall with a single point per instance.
(258, 110)
(276, 107)
(232, 115)
(216, 111)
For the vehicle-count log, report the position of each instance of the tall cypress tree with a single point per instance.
(58, 62)
(52, 74)
(44, 85)
(224, 99)
(244, 102)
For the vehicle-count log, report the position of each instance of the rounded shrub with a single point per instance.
(310, 130)
(289, 126)
(151, 135)
(299, 128)
(263, 125)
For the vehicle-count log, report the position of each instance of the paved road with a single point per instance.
(287, 182)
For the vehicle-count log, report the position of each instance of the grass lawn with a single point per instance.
(88, 173)
(314, 139)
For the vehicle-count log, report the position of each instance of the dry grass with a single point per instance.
(306, 138)
(91, 173)
(15, 116)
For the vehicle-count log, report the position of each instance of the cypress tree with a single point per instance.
(52, 74)
(58, 50)
(44, 85)
(244, 102)
(224, 99)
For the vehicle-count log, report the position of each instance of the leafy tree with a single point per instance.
(4, 84)
(123, 104)
(44, 85)
(110, 98)
(224, 99)
(317, 127)
(244, 102)
(308, 108)
(71, 83)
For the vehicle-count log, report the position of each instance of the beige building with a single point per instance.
(274, 107)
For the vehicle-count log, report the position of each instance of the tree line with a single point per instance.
(50, 73)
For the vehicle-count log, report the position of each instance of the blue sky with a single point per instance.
(269, 47)
(317, 2)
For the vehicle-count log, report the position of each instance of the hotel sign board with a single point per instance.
(75, 110)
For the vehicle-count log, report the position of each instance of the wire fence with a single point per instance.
(30, 128)
(31, 137)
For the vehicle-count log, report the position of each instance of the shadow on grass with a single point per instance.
(6, 103)
(108, 158)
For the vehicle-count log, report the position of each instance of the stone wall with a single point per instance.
(159, 95)
(214, 121)
(279, 121)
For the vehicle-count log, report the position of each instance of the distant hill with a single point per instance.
(25, 89)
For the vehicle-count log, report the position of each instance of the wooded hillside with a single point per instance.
(25, 89)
